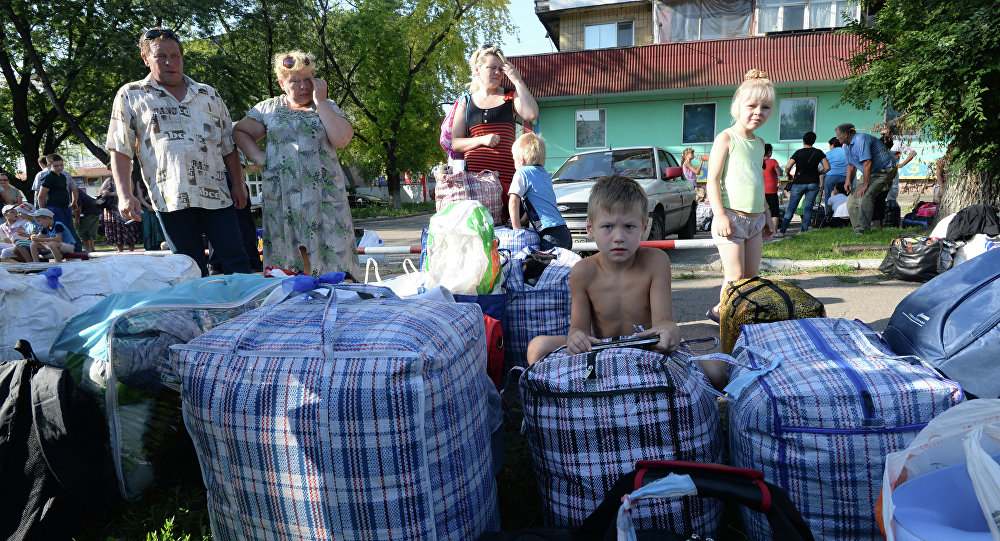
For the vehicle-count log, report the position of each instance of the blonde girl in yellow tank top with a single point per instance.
(741, 220)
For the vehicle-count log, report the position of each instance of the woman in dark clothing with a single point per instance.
(118, 232)
(491, 129)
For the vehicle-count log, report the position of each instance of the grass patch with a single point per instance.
(686, 276)
(834, 243)
(405, 210)
(166, 512)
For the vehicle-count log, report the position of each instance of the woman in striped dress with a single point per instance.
(491, 130)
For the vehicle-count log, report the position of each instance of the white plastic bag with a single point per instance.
(461, 250)
(368, 240)
(944, 442)
(985, 474)
(408, 284)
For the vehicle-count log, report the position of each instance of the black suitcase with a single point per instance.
(737, 485)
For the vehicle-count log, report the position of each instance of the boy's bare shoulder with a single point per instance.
(585, 268)
(646, 257)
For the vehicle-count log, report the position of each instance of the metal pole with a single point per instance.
(577, 246)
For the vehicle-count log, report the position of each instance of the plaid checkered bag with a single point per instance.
(589, 418)
(331, 418)
(514, 240)
(484, 187)
(539, 309)
(817, 406)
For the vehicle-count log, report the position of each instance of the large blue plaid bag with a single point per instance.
(513, 241)
(817, 406)
(333, 417)
(539, 308)
(589, 418)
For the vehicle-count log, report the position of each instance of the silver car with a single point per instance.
(671, 198)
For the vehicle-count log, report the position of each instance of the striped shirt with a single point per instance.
(497, 120)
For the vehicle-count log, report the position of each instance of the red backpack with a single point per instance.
(494, 349)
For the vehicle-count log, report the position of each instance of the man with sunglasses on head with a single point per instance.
(181, 132)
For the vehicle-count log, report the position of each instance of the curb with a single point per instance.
(788, 265)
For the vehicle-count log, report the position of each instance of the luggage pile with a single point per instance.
(36, 305)
(118, 353)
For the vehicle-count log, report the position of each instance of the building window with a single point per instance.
(797, 116)
(603, 36)
(688, 20)
(698, 123)
(591, 128)
(782, 15)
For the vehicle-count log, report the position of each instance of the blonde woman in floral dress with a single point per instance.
(304, 196)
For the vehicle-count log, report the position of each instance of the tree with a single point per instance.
(936, 63)
(390, 64)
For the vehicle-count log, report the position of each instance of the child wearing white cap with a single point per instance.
(54, 237)
(13, 229)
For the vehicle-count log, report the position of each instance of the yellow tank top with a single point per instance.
(743, 175)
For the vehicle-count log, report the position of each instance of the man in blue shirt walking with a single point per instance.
(866, 153)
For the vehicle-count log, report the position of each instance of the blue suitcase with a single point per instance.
(951, 323)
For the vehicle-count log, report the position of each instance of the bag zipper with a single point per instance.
(870, 419)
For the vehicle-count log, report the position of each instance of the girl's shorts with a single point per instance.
(744, 227)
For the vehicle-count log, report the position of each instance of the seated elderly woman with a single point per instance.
(307, 220)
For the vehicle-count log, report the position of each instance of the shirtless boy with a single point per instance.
(623, 285)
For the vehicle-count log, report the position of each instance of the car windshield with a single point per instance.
(633, 163)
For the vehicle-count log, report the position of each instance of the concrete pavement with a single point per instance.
(697, 278)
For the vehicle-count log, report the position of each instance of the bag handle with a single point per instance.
(411, 270)
(737, 385)
(368, 267)
(309, 286)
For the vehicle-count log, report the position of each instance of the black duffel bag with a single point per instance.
(916, 258)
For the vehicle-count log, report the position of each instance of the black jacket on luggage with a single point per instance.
(971, 221)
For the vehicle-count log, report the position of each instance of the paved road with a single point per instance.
(865, 296)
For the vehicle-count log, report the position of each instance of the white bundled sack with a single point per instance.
(35, 306)
(967, 433)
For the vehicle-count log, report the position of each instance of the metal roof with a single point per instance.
(793, 57)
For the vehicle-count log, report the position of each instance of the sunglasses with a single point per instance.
(289, 62)
(157, 32)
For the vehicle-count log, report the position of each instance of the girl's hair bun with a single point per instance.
(755, 74)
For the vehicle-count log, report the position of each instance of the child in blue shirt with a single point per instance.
(532, 184)
(54, 237)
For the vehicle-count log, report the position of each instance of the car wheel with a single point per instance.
(657, 230)
(691, 227)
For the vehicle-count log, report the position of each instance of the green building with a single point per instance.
(616, 82)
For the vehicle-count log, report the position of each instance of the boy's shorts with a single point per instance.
(64, 247)
(744, 227)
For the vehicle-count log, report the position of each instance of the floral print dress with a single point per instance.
(304, 197)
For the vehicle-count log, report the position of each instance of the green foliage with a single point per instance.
(391, 65)
(405, 210)
(936, 62)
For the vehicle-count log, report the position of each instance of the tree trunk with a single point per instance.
(966, 188)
